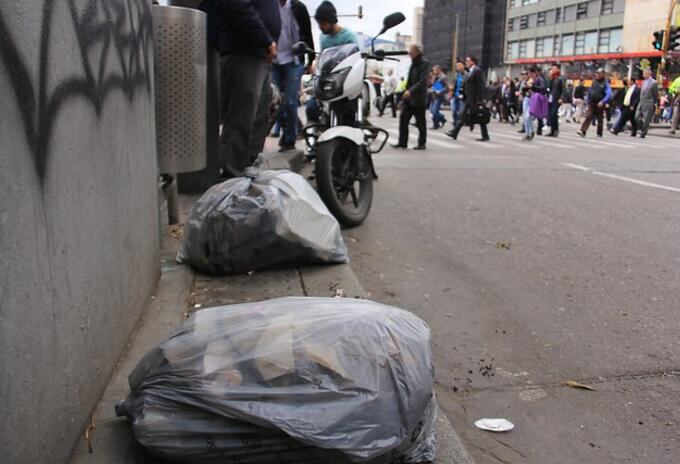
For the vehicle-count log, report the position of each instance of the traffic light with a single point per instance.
(674, 38)
(658, 40)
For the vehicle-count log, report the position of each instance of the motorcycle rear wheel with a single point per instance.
(344, 180)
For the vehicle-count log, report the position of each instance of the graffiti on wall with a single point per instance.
(113, 39)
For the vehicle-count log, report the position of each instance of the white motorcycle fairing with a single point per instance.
(350, 133)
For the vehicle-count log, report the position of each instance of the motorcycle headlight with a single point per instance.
(331, 85)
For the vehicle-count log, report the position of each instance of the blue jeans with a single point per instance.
(456, 109)
(528, 119)
(287, 78)
(438, 118)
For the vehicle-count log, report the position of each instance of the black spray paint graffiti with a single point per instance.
(123, 31)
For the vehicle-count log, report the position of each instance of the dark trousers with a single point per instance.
(553, 117)
(627, 115)
(407, 112)
(459, 125)
(594, 112)
(246, 96)
(389, 100)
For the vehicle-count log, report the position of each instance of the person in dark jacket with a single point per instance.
(249, 31)
(474, 90)
(629, 104)
(599, 95)
(287, 68)
(414, 99)
(557, 85)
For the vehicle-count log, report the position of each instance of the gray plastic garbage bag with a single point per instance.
(294, 380)
(268, 219)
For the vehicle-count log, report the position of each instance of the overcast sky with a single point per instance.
(374, 12)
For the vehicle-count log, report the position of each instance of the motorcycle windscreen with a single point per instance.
(333, 56)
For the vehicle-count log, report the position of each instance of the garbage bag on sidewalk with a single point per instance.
(266, 219)
(295, 380)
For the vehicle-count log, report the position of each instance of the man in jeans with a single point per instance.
(287, 68)
(599, 95)
(248, 35)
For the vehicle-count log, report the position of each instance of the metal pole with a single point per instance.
(454, 49)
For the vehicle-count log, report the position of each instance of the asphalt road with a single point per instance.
(534, 264)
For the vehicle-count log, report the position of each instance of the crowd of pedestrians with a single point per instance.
(542, 101)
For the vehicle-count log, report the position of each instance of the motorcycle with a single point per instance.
(343, 143)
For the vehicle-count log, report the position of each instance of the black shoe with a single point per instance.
(613, 132)
(419, 147)
(521, 131)
(396, 145)
(581, 133)
(286, 147)
(484, 139)
(452, 134)
(527, 138)
(553, 134)
(633, 134)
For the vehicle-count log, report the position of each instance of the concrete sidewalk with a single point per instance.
(182, 291)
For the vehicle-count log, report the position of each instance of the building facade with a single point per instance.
(584, 35)
(418, 25)
(456, 28)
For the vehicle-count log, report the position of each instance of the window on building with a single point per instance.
(531, 48)
(540, 19)
(582, 10)
(513, 50)
(603, 43)
(579, 43)
(569, 13)
(567, 45)
(615, 39)
(556, 46)
(607, 7)
(548, 45)
(539, 48)
(511, 25)
(524, 22)
(522, 51)
(558, 15)
(591, 42)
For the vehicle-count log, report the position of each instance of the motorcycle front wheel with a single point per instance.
(344, 180)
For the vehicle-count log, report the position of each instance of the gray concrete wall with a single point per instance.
(78, 211)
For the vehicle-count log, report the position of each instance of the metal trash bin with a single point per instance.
(181, 99)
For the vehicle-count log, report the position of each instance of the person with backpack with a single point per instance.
(599, 94)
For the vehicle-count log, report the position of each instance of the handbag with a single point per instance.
(479, 114)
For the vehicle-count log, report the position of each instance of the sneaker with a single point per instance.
(581, 133)
(527, 138)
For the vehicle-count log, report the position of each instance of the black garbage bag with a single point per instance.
(267, 219)
(290, 380)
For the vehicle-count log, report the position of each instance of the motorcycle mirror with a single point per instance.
(300, 48)
(392, 20)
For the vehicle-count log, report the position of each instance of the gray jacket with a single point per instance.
(649, 95)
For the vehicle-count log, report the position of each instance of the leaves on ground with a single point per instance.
(573, 384)
(503, 245)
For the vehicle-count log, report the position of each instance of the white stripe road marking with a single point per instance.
(623, 178)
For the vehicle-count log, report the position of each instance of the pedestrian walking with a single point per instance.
(248, 36)
(579, 101)
(557, 86)
(414, 99)
(567, 108)
(287, 68)
(649, 97)
(537, 107)
(674, 91)
(389, 90)
(522, 93)
(440, 88)
(457, 93)
(474, 92)
(599, 94)
(628, 109)
(508, 100)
